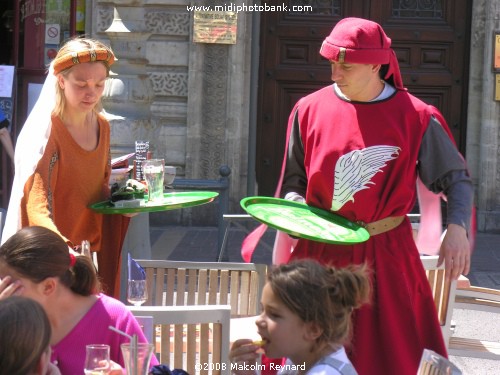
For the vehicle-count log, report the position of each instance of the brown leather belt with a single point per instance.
(381, 226)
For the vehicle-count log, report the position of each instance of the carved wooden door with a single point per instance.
(431, 40)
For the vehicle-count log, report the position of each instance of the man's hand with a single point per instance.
(455, 252)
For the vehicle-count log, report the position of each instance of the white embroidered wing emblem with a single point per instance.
(354, 171)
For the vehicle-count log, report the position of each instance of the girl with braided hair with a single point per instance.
(306, 318)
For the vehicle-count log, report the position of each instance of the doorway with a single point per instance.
(431, 40)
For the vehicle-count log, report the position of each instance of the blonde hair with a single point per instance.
(321, 294)
(76, 51)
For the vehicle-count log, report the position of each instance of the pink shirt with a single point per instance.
(69, 353)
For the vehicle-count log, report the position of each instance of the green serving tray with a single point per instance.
(171, 201)
(303, 221)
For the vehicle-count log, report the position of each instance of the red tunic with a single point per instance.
(360, 161)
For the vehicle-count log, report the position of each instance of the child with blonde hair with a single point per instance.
(306, 318)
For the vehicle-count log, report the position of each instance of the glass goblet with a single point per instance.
(137, 292)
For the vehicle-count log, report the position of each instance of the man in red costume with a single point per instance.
(356, 148)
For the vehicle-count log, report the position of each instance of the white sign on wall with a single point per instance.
(52, 33)
(6, 80)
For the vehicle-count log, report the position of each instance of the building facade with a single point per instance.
(197, 102)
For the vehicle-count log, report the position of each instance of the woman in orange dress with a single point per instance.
(63, 159)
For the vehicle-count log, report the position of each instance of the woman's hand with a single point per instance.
(131, 214)
(8, 287)
(242, 352)
(115, 369)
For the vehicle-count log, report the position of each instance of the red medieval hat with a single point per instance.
(361, 41)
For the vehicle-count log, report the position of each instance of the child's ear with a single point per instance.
(40, 367)
(313, 331)
(43, 363)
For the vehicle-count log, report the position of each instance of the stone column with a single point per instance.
(128, 93)
(127, 100)
(219, 98)
(483, 137)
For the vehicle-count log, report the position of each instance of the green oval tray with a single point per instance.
(303, 221)
(171, 201)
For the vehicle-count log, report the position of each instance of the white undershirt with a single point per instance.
(386, 92)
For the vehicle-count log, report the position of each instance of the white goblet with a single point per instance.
(137, 292)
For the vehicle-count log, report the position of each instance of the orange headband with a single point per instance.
(71, 59)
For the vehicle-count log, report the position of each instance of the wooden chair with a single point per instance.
(479, 299)
(205, 283)
(190, 336)
(443, 292)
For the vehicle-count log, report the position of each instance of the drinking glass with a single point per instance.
(170, 172)
(97, 360)
(137, 292)
(154, 174)
(137, 364)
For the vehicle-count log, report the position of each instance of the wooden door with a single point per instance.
(431, 40)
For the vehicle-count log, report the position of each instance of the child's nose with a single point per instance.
(259, 322)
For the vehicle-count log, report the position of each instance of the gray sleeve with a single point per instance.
(295, 178)
(442, 169)
(457, 187)
(437, 155)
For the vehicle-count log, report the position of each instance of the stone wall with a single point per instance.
(189, 100)
(192, 100)
(483, 135)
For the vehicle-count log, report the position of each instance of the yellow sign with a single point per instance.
(215, 27)
(496, 51)
(497, 87)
